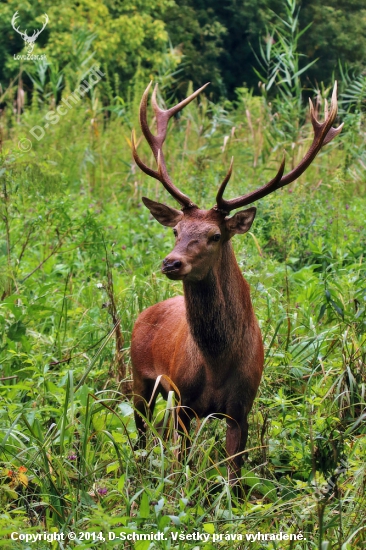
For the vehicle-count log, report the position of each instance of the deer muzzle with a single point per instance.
(170, 265)
(175, 267)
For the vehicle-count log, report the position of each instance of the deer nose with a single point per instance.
(170, 264)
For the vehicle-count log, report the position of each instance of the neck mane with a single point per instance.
(218, 307)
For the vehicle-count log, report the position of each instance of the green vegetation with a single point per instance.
(198, 40)
(81, 258)
(80, 253)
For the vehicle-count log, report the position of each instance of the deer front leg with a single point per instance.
(184, 427)
(143, 391)
(141, 411)
(236, 438)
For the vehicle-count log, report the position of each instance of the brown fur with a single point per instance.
(207, 342)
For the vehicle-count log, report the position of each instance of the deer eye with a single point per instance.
(175, 233)
(216, 237)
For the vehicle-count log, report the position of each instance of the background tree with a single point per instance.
(337, 33)
(125, 36)
(205, 40)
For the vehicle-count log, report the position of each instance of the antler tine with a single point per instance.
(163, 116)
(143, 119)
(156, 142)
(323, 134)
(160, 176)
(232, 204)
(219, 199)
(333, 132)
(176, 108)
(140, 164)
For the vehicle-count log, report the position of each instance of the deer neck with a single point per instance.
(218, 308)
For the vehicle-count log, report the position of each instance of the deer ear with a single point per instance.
(166, 215)
(241, 221)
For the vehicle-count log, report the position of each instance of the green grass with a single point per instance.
(79, 251)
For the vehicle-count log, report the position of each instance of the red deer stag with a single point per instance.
(207, 342)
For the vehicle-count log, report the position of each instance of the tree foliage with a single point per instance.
(337, 33)
(206, 40)
(125, 36)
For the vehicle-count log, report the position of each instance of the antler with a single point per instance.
(156, 142)
(323, 134)
(13, 21)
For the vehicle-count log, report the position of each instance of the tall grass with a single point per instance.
(81, 259)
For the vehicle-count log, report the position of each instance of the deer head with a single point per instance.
(29, 40)
(201, 234)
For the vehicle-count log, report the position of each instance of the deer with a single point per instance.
(206, 343)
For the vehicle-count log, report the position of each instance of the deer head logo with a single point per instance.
(29, 40)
